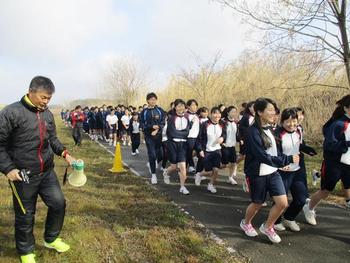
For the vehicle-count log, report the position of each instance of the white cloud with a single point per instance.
(55, 30)
(183, 29)
(73, 41)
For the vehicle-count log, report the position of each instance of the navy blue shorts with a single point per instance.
(259, 186)
(242, 148)
(114, 128)
(176, 151)
(332, 172)
(212, 160)
(228, 155)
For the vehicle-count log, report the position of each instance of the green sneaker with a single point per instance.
(58, 245)
(30, 258)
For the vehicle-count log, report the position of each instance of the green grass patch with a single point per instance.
(113, 218)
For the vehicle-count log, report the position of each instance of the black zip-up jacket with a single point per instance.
(335, 143)
(173, 132)
(27, 138)
(256, 153)
(150, 117)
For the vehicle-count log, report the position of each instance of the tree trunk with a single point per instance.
(344, 38)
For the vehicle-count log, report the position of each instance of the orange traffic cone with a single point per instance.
(117, 164)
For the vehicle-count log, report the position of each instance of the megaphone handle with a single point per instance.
(65, 176)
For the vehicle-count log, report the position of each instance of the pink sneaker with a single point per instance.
(248, 229)
(270, 233)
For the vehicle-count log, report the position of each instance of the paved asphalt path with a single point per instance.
(222, 212)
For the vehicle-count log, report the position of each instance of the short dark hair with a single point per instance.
(189, 102)
(179, 101)
(214, 110)
(151, 95)
(289, 113)
(77, 107)
(40, 82)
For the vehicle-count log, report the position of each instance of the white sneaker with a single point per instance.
(234, 174)
(203, 178)
(245, 186)
(137, 151)
(154, 179)
(133, 153)
(315, 175)
(347, 204)
(183, 190)
(232, 181)
(129, 143)
(211, 188)
(166, 177)
(197, 179)
(279, 227)
(270, 233)
(191, 169)
(292, 225)
(124, 143)
(310, 215)
(149, 167)
(248, 229)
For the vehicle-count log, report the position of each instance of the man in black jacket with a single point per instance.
(28, 143)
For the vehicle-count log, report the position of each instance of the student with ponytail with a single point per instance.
(212, 135)
(192, 108)
(228, 149)
(178, 128)
(336, 155)
(290, 142)
(261, 168)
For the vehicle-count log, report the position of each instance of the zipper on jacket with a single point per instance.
(41, 143)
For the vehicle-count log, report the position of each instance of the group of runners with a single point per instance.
(190, 140)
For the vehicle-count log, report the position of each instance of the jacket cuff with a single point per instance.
(64, 153)
(9, 169)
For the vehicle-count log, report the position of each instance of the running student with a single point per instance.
(164, 146)
(212, 135)
(78, 118)
(134, 130)
(203, 114)
(336, 154)
(125, 127)
(290, 143)
(261, 168)
(152, 121)
(192, 107)
(112, 121)
(178, 128)
(246, 121)
(228, 150)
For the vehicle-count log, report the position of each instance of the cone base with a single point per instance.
(117, 170)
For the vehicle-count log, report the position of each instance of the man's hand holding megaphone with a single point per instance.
(68, 158)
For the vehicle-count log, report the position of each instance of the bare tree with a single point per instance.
(124, 81)
(205, 83)
(318, 26)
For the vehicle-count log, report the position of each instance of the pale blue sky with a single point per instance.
(73, 41)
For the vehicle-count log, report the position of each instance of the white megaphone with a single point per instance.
(77, 178)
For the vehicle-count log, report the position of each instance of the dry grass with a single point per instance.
(283, 78)
(113, 218)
